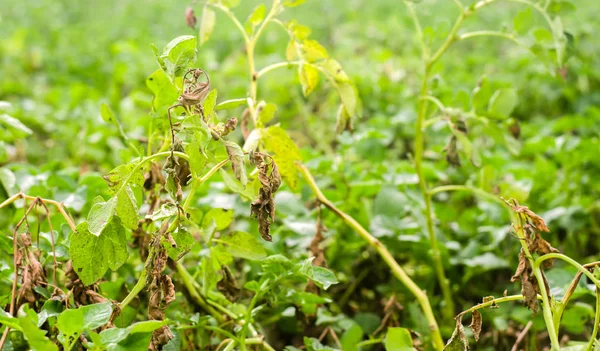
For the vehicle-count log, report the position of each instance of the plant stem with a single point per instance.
(590, 346)
(198, 181)
(59, 205)
(492, 303)
(448, 310)
(368, 342)
(274, 66)
(259, 341)
(537, 272)
(396, 269)
(139, 286)
(569, 260)
(188, 281)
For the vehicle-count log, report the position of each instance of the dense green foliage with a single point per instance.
(332, 178)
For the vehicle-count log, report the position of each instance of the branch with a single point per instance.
(397, 270)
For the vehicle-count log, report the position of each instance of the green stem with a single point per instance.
(139, 286)
(569, 260)
(198, 181)
(396, 269)
(537, 272)
(259, 341)
(274, 66)
(448, 309)
(188, 281)
(492, 303)
(230, 346)
(590, 346)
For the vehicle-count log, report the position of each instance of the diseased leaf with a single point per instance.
(92, 255)
(124, 174)
(285, 152)
(244, 245)
(476, 324)
(238, 164)
(458, 341)
(127, 209)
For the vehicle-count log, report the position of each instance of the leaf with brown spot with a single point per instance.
(475, 325)
(236, 157)
(452, 152)
(458, 341)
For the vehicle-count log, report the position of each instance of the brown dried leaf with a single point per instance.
(452, 152)
(475, 325)
(263, 208)
(228, 285)
(529, 290)
(190, 18)
(523, 265)
(154, 177)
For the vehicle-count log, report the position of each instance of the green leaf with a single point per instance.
(100, 215)
(70, 323)
(92, 255)
(179, 54)
(352, 337)
(523, 21)
(503, 102)
(398, 339)
(256, 17)
(96, 315)
(35, 337)
(334, 70)
(349, 96)
(194, 150)
(18, 128)
(207, 24)
(285, 152)
(51, 308)
(291, 51)
(222, 218)
(322, 277)
(313, 51)
(107, 114)
(9, 321)
(127, 209)
(209, 104)
(165, 93)
(266, 112)
(244, 245)
(124, 174)
(313, 344)
(309, 78)
(230, 104)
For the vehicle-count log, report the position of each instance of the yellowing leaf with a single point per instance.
(285, 152)
(207, 24)
(309, 77)
(266, 112)
(313, 51)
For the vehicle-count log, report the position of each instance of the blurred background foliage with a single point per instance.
(59, 60)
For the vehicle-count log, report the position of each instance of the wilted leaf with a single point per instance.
(475, 325)
(236, 157)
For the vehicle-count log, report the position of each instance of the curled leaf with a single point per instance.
(263, 208)
(458, 341)
(475, 325)
(190, 18)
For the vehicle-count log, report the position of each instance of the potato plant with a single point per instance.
(180, 250)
